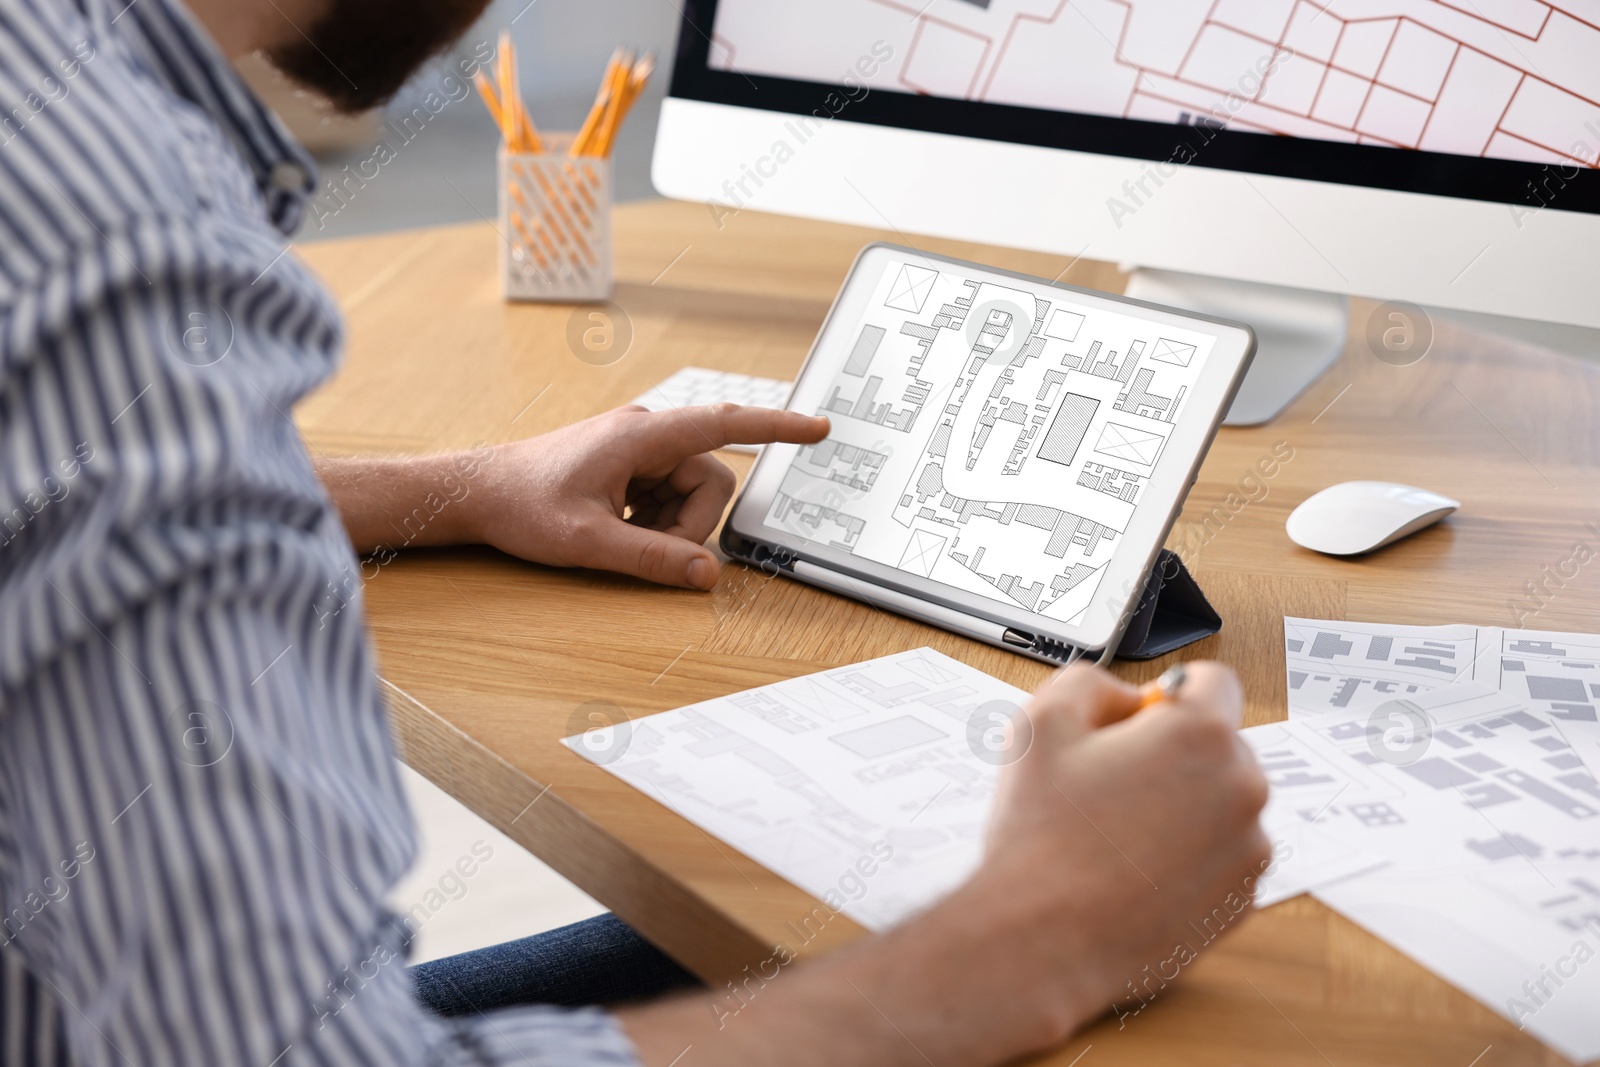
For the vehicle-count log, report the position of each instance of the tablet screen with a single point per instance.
(992, 438)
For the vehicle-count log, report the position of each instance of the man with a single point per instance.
(199, 813)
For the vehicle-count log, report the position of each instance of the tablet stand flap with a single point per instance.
(1172, 613)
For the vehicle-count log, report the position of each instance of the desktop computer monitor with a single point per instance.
(1249, 157)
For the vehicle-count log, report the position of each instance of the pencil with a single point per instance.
(615, 92)
(486, 91)
(1163, 688)
(632, 87)
(531, 142)
(527, 136)
(508, 92)
(580, 143)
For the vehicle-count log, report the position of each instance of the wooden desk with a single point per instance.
(491, 661)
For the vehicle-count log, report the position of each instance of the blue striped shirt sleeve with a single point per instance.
(199, 807)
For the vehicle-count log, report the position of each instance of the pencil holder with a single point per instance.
(555, 221)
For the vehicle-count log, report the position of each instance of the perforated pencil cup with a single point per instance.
(555, 221)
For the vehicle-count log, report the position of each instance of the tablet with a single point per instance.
(1007, 454)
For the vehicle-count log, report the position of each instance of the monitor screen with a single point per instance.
(1487, 101)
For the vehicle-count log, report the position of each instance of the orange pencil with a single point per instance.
(531, 141)
(593, 116)
(1163, 688)
(614, 94)
(508, 92)
(632, 87)
(620, 102)
(581, 143)
(527, 136)
(486, 91)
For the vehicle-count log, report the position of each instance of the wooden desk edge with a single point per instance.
(699, 937)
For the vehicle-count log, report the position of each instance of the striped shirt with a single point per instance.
(199, 807)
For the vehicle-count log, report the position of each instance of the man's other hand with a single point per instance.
(631, 491)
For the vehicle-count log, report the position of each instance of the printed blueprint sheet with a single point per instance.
(1492, 783)
(990, 439)
(1339, 666)
(1519, 939)
(1467, 758)
(818, 778)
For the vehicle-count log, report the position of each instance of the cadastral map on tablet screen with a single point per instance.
(989, 438)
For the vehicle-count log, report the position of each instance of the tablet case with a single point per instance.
(1172, 612)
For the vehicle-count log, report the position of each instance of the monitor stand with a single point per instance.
(1299, 332)
(1582, 342)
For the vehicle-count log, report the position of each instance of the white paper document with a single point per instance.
(867, 786)
(1303, 786)
(1523, 939)
(1489, 784)
(1466, 758)
(1435, 785)
(1338, 666)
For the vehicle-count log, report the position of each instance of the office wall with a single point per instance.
(565, 43)
(440, 168)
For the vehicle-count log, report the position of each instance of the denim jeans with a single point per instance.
(597, 961)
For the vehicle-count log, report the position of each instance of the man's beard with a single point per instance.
(361, 52)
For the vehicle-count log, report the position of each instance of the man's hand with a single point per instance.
(631, 491)
(1119, 846)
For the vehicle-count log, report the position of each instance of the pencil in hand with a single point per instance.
(1163, 688)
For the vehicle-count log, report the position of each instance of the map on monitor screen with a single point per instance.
(1506, 79)
(989, 438)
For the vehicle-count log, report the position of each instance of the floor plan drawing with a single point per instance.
(992, 439)
(1489, 931)
(1130, 443)
(851, 466)
(810, 775)
(1468, 758)
(1174, 352)
(911, 288)
(1487, 787)
(1124, 485)
(1335, 666)
(817, 522)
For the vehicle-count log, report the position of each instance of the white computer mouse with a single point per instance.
(1354, 517)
